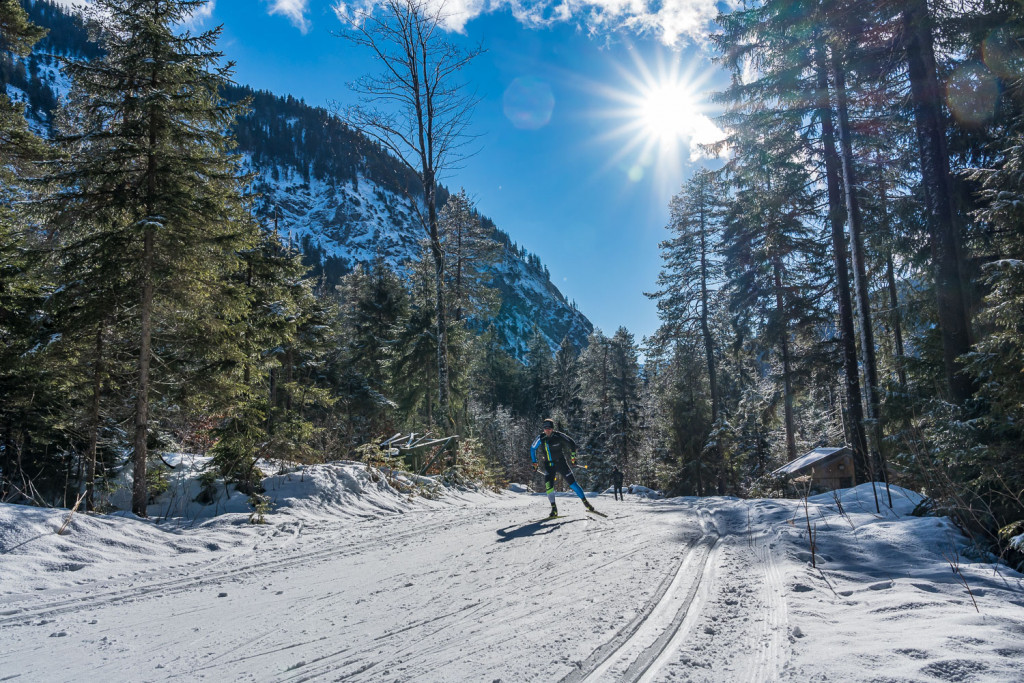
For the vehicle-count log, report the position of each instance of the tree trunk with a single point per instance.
(936, 180)
(787, 380)
(897, 326)
(442, 321)
(860, 280)
(847, 337)
(289, 367)
(272, 405)
(94, 423)
(140, 489)
(7, 474)
(709, 347)
(140, 492)
(459, 265)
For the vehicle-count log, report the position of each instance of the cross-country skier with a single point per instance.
(556, 452)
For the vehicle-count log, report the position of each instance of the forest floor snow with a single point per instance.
(353, 580)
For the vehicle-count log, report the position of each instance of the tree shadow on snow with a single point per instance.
(540, 528)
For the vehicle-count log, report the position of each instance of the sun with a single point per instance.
(658, 114)
(666, 111)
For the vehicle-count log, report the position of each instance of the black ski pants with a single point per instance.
(550, 469)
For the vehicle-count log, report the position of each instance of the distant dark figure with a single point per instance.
(617, 481)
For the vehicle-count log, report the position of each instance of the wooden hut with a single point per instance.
(829, 468)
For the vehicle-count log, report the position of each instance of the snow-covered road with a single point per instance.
(684, 589)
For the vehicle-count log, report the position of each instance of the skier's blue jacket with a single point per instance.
(557, 450)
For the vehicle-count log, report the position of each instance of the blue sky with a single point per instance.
(577, 158)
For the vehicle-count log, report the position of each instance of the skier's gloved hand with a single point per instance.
(573, 458)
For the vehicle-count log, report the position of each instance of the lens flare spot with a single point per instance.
(528, 103)
(636, 173)
(972, 94)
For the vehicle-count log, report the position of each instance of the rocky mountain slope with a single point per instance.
(328, 188)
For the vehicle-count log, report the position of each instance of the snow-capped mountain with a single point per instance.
(322, 185)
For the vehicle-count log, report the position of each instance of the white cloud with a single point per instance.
(294, 10)
(673, 21)
(705, 132)
(201, 15)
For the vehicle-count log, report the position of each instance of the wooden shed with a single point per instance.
(829, 468)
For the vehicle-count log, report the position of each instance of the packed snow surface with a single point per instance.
(355, 579)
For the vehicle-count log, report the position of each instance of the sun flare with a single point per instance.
(667, 111)
(661, 116)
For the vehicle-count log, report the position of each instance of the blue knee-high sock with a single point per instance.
(578, 489)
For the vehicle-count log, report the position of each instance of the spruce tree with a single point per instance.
(565, 387)
(471, 255)
(23, 284)
(773, 253)
(265, 397)
(627, 426)
(150, 191)
(691, 272)
(540, 380)
(595, 389)
(944, 224)
(374, 308)
(413, 381)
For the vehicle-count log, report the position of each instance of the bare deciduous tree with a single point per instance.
(417, 108)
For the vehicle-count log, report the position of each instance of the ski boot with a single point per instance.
(554, 511)
(586, 504)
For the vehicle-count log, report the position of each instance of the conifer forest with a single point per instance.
(849, 271)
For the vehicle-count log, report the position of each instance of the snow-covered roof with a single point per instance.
(819, 456)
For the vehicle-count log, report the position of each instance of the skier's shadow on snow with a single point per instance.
(541, 528)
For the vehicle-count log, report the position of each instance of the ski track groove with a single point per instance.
(622, 640)
(443, 635)
(647, 666)
(439, 637)
(767, 639)
(656, 655)
(770, 663)
(770, 640)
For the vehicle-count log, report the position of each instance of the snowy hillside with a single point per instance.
(357, 220)
(321, 184)
(354, 580)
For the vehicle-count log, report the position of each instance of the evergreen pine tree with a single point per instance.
(773, 256)
(625, 394)
(470, 257)
(414, 384)
(374, 307)
(539, 364)
(23, 284)
(691, 272)
(150, 189)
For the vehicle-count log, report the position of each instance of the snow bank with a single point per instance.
(180, 531)
(338, 585)
(886, 596)
(644, 492)
(348, 489)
